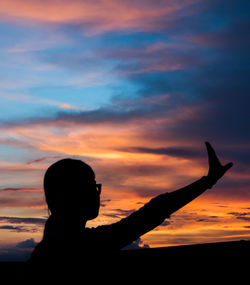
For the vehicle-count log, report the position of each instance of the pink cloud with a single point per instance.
(158, 57)
(98, 16)
(42, 159)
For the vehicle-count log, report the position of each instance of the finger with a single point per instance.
(227, 166)
(211, 153)
(209, 148)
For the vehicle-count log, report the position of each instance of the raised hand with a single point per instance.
(216, 169)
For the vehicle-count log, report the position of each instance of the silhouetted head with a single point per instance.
(71, 190)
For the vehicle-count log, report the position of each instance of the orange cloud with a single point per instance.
(202, 221)
(22, 199)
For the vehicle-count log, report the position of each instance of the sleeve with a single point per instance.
(152, 214)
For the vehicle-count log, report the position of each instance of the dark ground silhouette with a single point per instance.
(217, 263)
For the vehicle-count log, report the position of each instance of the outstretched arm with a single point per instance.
(161, 207)
(183, 196)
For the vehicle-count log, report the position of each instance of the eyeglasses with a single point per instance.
(98, 188)
(92, 186)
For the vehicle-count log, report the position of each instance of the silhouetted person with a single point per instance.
(73, 198)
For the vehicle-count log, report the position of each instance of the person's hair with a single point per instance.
(63, 182)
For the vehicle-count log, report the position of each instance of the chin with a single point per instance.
(91, 216)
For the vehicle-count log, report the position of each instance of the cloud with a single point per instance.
(94, 16)
(230, 39)
(175, 121)
(209, 219)
(18, 252)
(165, 223)
(193, 108)
(102, 115)
(43, 158)
(148, 191)
(15, 143)
(29, 243)
(19, 229)
(172, 151)
(152, 58)
(20, 220)
(168, 108)
(245, 216)
(119, 213)
(22, 225)
(137, 244)
(22, 198)
(21, 189)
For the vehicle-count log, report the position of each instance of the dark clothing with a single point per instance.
(59, 244)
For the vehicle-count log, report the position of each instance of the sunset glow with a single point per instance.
(133, 88)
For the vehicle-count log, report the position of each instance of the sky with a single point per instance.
(133, 88)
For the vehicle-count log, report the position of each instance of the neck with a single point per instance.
(69, 221)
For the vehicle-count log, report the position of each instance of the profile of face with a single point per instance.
(71, 190)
